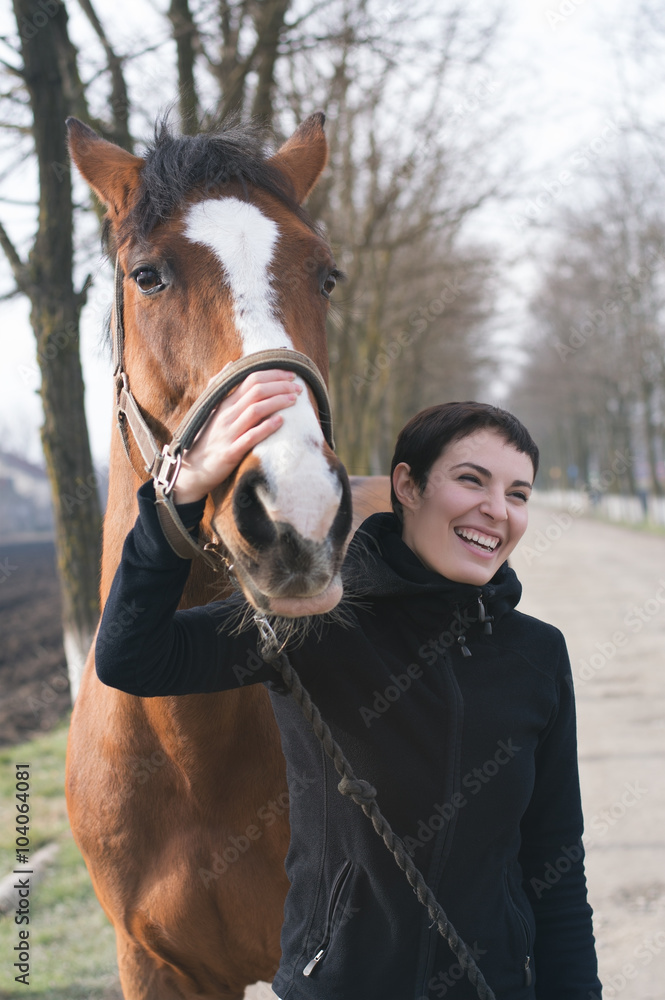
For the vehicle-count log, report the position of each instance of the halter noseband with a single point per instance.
(163, 464)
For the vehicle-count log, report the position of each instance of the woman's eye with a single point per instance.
(520, 496)
(148, 279)
(472, 479)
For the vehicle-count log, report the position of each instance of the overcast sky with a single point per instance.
(562, 52)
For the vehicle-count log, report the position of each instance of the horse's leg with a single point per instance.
(144, 977)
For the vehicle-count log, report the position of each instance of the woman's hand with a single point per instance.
(246, 416)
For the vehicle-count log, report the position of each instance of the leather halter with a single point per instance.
(163, 464)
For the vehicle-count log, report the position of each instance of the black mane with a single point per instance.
(178, 165)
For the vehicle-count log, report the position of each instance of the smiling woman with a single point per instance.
(455, 707)
(464, 512)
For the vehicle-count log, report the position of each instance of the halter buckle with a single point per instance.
(166, 473)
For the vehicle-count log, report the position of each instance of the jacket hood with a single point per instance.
(379, 565)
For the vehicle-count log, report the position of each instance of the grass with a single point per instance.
(72, 944)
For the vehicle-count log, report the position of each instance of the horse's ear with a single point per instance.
(303, 156)
(111, 171)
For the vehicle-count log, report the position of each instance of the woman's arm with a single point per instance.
(144, 645)
(552, 860)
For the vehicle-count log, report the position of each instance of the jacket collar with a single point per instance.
(380, 565)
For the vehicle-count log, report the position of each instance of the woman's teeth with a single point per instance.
(484, 542)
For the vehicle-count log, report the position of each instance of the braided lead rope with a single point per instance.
(364, 795)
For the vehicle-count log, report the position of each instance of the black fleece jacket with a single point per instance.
(473, 757)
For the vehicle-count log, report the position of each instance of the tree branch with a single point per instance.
(119, 96)
(19, 269)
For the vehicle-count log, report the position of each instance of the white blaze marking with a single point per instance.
(303, 490)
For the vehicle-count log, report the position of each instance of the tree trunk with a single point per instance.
(56, 307)
(650, 435)
(184, 32)
(269, 25)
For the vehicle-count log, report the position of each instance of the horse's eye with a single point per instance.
(329, 285)
(148, 279)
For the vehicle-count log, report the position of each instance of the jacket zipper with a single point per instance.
(528, 975)
(527, 965)
(338, 885)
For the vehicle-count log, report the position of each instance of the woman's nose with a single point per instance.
(494, 505)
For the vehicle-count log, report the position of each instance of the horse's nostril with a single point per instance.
(249, 513)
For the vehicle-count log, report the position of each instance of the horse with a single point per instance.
(215, 260)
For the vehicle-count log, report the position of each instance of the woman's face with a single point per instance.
(473, 511)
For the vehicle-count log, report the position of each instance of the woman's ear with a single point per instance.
(405, 489)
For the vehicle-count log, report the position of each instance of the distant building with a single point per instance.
(25, 496)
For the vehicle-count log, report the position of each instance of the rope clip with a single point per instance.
(270, 645)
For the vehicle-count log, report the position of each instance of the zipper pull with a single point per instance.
(484, 617)
(527, 971)
(309, 968)
(465, 649)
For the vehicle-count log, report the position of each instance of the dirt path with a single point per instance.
(604, 587)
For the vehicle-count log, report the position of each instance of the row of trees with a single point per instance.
(593, 385)
(406, 92)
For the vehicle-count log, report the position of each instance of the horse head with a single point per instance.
(218, 260)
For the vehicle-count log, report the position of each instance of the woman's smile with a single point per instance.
(473, 509)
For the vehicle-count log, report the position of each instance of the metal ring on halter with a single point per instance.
(166, 473)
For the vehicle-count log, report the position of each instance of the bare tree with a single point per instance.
(409, 325)
(595, 384)
(46, 278)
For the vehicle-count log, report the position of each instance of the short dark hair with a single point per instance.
(424, 438)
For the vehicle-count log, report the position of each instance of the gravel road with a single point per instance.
(604, 587)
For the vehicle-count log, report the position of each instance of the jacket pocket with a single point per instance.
(335, 915)
(525, 931)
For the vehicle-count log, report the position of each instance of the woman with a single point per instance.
(457, 708)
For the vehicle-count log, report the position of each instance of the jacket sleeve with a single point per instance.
(552, 859)
(144, 645)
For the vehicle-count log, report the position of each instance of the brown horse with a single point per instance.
(179, 805)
